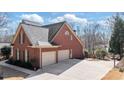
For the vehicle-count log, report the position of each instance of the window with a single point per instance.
(11, 50)
(71, 37)
(17, 54)
(26, 55)
(66, 33)
(21, 37)
(71, 53)
(21, 40)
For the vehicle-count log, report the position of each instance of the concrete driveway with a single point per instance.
(75, 69)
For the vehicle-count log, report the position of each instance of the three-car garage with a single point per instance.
(50, 57)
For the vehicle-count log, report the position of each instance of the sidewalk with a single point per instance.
(48, 76)
(2, 63)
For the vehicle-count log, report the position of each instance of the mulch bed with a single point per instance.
(114, 74)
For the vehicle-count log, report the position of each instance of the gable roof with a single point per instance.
(44, 33)
(71, 30)
(35, 33)
(53, 29)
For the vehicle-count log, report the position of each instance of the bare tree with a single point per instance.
(3, 20)
(94, 37)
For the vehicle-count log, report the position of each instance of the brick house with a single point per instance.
(46, 44)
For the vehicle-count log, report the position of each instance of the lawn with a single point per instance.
(114, 74)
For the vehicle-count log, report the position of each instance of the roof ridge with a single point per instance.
(42, 25)
(31, 23)
(54, 23)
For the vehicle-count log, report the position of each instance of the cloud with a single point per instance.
(33, 17)
(12, 25)
(70, 18)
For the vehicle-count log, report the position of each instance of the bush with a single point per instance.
(103, 54)
(6, 51)
(121, 70)
(86, 54)
(100, 53)
(10, 61)
(27, 65)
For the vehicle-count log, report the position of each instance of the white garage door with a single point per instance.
(48, 58)
(63, 54)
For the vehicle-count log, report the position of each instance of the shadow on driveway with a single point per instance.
(8, 73)
(58, 68)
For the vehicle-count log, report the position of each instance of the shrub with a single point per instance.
(100, 53)
(27, 65)
(103, 53)
(86, 54)
(10, 61)
(121, 70)
(6, 51)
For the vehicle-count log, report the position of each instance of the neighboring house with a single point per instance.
(46, 44)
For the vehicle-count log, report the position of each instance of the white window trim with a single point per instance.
(18, 54)
(71, 37)
(26, 55)
(11, 50)
(21, 37)
(66, 33)
(71, 53)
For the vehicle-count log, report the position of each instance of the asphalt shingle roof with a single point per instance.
(44, 33)
(36, 33)
(53, 29)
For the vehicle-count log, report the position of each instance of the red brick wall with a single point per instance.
(60, 39)
(33, 52)
(21, 47)
(66, 42)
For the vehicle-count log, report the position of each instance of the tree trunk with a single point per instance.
(114, 60)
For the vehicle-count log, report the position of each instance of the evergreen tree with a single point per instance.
(117, 38)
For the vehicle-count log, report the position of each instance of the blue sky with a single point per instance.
(77, 18)
(89, 15)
